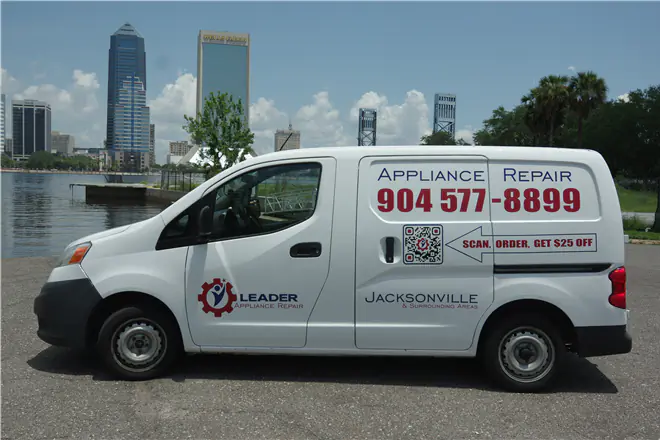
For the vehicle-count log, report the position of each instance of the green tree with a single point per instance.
(438, 138)
(546, 105)
(627, 134)
(504, 128)
(7, 162)
(587, 92)
(222, 131)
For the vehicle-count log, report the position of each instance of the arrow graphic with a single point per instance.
(474, 244)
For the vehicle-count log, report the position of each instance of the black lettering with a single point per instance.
(389, 295)
(293, 297)
(385, 174)
(510, 172)
(473, 299)
(465, 179)
(567, 175)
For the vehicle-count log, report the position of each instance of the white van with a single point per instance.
(514, 255)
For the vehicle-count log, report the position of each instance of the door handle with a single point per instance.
(305, 250)
(389, 249)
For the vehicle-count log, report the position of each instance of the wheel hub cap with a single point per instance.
(138, 345)
(526, 355)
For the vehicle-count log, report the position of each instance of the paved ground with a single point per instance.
(54, 393)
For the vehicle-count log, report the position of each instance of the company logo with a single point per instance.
(217, 297)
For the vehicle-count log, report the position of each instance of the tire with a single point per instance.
(522, 332)
(128, 326)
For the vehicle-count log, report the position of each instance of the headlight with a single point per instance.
(75, 254)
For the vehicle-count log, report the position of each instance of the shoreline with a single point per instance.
(102, 173)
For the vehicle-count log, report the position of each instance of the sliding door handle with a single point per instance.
(389, 249)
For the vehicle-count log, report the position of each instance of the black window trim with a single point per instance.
(208, 198)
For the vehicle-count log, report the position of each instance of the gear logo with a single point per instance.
(222, 295)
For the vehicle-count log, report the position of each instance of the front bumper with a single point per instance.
(603, 340)
(63, 309)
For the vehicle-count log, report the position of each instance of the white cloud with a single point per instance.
(625, 97)
(571, 68)
(402, 124)
(9, 84)
(320, 123)
(77, 110)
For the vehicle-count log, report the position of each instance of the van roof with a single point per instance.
(494, 152)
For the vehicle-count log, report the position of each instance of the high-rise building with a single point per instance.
(63, 143)
(444, 114)
(223, 66)
(152, 145)
(131, 135)
(126, 61)
(31, 122)
(179, 148)
(3, 134)
(287, 139)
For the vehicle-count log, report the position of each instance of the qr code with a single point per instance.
(422, 244)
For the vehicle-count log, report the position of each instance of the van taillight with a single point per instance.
(618, 279)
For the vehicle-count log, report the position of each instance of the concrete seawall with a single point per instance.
(104, 192)
(163, 195)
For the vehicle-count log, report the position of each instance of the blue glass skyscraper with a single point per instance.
(126, 62)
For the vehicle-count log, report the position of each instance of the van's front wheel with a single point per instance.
(138, 344)
(523, 353)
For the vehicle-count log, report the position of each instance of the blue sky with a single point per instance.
(488, 54)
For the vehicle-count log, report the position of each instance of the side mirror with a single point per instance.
(205, 221)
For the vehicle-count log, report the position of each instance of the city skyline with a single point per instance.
(307, 73)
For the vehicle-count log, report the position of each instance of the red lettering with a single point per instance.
(478, 244)
(424, 200)
(449, 200)
(531, 200)
(465, 201)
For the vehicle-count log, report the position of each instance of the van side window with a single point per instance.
(266, 200)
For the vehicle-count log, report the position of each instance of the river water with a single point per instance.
(41, 214)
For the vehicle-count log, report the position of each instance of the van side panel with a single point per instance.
(557, 233)
(415, 288)
(331, 323)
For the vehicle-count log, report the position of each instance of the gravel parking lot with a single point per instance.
(55, 393)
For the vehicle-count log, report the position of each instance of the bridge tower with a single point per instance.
(367, 127)
(444, 114)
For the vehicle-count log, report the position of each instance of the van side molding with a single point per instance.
(550, 268)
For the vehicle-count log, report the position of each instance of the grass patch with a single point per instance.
(637, 201)
(634, 224)
(638, 235)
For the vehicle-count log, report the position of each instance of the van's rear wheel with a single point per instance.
(138, 344)
(523, 353)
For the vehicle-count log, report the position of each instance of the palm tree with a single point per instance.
(533, 117)
(588, 91)
(552, 97)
